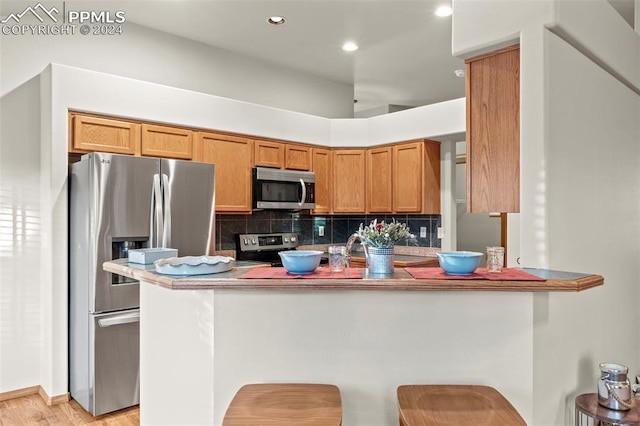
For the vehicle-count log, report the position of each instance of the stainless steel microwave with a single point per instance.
(283, 189)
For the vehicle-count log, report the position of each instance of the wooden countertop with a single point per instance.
(401, 280)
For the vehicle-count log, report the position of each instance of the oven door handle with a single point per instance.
(304, 192)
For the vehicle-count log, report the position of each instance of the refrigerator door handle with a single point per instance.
(156, 214)
(119, 319)
(166, 233)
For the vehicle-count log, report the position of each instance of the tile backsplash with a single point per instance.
(337, 229)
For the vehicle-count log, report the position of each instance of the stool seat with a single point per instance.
(285, 404)
(432, 405)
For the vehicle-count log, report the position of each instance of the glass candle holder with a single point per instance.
(337, 258)
(495, 259)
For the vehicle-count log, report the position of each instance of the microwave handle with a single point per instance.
(304, 192)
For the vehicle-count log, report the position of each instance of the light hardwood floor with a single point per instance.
(31, 410)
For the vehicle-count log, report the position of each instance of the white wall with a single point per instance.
(579, 181)
(444, 121)
(20, 238)
(481, 26)
(593, 224)
(146, 54)
(365, 342)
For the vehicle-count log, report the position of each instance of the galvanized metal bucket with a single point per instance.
(379, 260)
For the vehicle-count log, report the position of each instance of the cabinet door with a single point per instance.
(167, 142)
(321, 161)
(431, 179)
(379, 180)
(297, 157)
(106, 135)
(348, 181)
(269, 154)
(407, 177)
(233, 158)
(416, 177)
(493, 132)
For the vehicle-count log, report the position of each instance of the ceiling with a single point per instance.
(404, 57)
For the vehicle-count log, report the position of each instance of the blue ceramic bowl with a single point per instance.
(459, 262)
(300, 261)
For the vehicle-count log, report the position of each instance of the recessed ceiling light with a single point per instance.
(276, 20)
(443, 11)
(349, 46)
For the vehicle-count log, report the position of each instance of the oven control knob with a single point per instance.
(253, 241)
(246, 242)
(286, 239)
(293, 239)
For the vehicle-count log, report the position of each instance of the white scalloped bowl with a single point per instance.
(194, 265)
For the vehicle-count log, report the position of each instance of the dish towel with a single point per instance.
(319, 273)
(507, 274)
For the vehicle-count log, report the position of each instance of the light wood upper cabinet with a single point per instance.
(416, 177)
(431, 188)
(166, 141)
(348, 180)
(379, 180)
(321, 166)
(408, 177)
(104, 134)
(493, 131)
(297, 157)
(233, 158)
(269, 154)
(395, 178)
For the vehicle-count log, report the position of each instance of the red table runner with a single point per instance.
(319, 273)
(507, 274)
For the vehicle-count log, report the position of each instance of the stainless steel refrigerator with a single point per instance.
(118, 203)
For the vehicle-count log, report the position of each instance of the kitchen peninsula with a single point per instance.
(203, 337)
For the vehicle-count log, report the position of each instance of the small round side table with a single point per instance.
(588, 413)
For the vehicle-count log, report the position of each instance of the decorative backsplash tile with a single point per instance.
(337, 229)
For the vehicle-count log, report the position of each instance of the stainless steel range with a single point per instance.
(265, 247)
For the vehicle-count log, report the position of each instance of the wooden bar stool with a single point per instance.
(285, 404)
(431, 405)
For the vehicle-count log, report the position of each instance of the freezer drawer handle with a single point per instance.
(120, 319)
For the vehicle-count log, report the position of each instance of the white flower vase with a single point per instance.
(379, 260)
